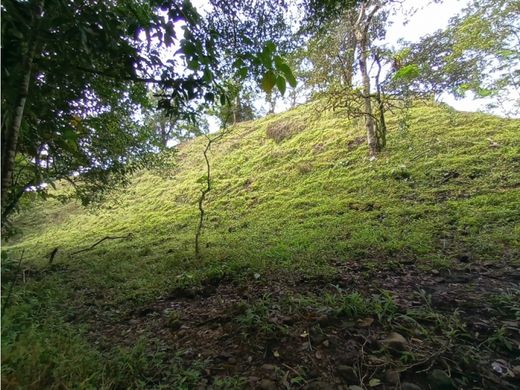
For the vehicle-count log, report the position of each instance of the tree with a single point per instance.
(60, 114)
(478, 52)
(74, 72)
(344, 43)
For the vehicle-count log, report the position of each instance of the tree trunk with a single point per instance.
(381, 128)
(12, 129)
(368, 112)
(10, 142)
(362, 31)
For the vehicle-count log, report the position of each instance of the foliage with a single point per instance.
(74, 79)
(478, 52)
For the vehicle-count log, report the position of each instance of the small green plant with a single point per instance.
(229, 383)
(499, 340)
(256, 317)
(348, 305)
(507, 303)
(173, 319)
(384, 306)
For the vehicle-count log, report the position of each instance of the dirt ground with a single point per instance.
(455, 328)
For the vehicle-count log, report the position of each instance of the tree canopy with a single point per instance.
(74, 75)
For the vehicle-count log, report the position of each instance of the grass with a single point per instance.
(300, 200)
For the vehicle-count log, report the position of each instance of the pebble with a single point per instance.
(440, 380)
(392, 377)
(348, 374)
(395, 341)
(266, 384)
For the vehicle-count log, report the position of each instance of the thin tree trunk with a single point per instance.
(381, 133)
(362, 35)
(12, 130)
(369, 118)
(202, 197)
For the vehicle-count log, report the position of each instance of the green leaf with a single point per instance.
(194, 64)
(268, 81)
(69, 134)
(188, 48)
(242, 73)
(208, 75)
(278, 62)
(266, 59)
(270, 46)
(288, 74)
(209, 97)
(280, 83)
(408, 72)
(238, 63)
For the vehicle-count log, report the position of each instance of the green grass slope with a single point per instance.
(291, 193)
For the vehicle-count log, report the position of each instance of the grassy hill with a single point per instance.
(305, 241)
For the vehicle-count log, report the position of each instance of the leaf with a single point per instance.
(374, 382)
(407, 72)
(278, 62)
(223, 99)
(286, 70)
(194, 64)
(270, 46)
(209, 97)
(238, 63)
(280, 83)
(268, 81)
(242, 73)
(208, 75)
(265, 59)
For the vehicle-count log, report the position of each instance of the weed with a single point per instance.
(229, 383)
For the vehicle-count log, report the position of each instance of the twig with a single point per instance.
(207, 188)
(129, 235)
(52, 255)
(8, 297)
(296, 372)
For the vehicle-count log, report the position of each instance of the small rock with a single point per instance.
(317, 338)
(312, 373)
(253, 379)
(409, 386)
(440, 380)
(348, 374)
(355, 387)
(319, 385)
(392, 377)
(326, 343)
(266, 384)
(366, 322)
(268, 367)
(396, 342)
